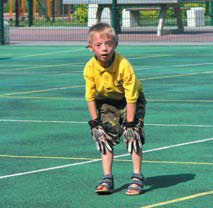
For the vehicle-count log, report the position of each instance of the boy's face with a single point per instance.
(103, 46)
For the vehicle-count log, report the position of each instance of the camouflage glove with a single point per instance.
(132, 138)
(99, 136)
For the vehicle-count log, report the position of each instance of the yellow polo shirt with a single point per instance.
(115, 82)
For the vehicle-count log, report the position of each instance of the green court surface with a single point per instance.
(48, 158)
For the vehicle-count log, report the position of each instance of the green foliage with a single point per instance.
(154, 14)
(191, 5)
(6, 7)
(81, 13)
(147, 14)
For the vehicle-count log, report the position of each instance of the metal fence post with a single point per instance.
(211, 12)
(53, 10)
(114, 15)
(17, 13)
(30, 13)
(2, 22)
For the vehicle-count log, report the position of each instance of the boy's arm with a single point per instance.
(130, 110)
(97, 131)
(92, 109)
(131, 134)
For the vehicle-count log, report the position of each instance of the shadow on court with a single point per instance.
(2, 59)
(167, 181)
(164, 181)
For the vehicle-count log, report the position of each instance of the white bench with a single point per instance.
(131, 16)
(101, 10)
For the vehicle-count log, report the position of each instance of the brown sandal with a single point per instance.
(135, 190)
(105, 185)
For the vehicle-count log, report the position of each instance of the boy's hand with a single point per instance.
(99, 136)
(132, 138)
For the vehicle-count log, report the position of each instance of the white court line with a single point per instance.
(152, 78)
(150, 56)
(77, 98)
(177, 75)
(47, 53)
(42, 66)
(175, 66)
(188, 101)
(43, 121)
(35, 91)
(92, 161)
(76, 73)
(182, 125)
(141, 68)
(84, 122)
(43, 97)
(178, 145)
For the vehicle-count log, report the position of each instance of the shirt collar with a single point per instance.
(110, 69)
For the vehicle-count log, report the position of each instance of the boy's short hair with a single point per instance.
(103, 28)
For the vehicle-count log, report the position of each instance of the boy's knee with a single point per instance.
(114, 131)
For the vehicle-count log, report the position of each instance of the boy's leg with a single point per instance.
(110, 121)
(135, 188)
(107, 162)
(107, 168)
(137, 161)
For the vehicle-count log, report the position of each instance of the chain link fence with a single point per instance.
(69, 20)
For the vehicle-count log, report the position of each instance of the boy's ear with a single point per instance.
(116, 44)
(90, 47)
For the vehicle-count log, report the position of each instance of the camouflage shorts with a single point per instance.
(113, 114)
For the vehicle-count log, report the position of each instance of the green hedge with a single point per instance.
(81, 13)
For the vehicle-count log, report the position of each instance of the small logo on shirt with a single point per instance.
(118, 83)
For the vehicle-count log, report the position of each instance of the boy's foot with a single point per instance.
(136, 185)
(106, 185)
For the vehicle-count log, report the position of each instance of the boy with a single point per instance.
(116, 104)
